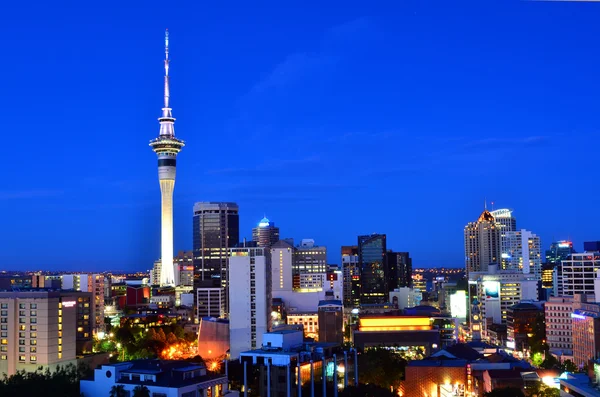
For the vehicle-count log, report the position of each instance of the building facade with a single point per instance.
(482, 243)
(371, 258)
(331, 321)
(265, 234)
(521, 250)
(210, 302)
(250, 297)
(216, 228)
(586, 333)
(309, 258)
(36, 329)
(399, 270)
(578, 272)
(350, 270)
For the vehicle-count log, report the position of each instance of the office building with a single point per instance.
(184, 268)
(559, 327)
(558, 251)
(309, 258)
(37, 328)
(578, 273)
(216, 228)
(93, 283)
(161, 377)
(371, 258)
(399, 270)
(350, 269)
(520, 322)
(331, 321)
(497, 290)
(521, 251)
(166, 147)
(155, 273)
(210, 302)
(265, 234)
(586, 333)
(307, 320)
(505, 220)
(482, 243)
(83, 313)
(250, 297)
(282, 256)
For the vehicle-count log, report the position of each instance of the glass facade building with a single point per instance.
(372, 264)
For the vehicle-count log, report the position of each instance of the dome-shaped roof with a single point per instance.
(264, 222)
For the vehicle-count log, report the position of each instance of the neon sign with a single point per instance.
(69, 303)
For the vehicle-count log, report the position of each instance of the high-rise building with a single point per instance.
(265, 234)
(210, 302)
(37, 329)
(371, 258)
(184, 268)
(351, 273)
(482, 243)
(399, 270)
(558, 251)
(155, 273)
(578, 273)
(282, 256)
(250, 298)
(559, 327)
(505, 219)
(216, 228)
(586, 333)
(167, 146)
(309, 258)
(589, 246)
(521, 250)
(93, 283)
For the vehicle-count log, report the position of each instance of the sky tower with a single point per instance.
(166, 146)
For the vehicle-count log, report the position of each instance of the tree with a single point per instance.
(141, 391)
(505, 392)
(569, 366)
(542, 390)
(117, 391)
(381, 367)
(550, 362)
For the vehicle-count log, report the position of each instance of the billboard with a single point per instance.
(458, 304)
(491, 289)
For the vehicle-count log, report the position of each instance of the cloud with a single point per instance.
(28, 194)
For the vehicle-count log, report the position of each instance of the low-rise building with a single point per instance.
(161, 377)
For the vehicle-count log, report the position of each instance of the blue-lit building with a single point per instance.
(558, 251)
(265, 233)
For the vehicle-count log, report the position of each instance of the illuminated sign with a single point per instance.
(510, 344)
(458, 304)
(578, 316)
(69, 304)
(564, 245)
(491, 289)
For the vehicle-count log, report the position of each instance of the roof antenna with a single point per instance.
(485, 203)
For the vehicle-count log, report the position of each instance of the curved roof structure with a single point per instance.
(502, 213)
(486, 216)
(264, 222)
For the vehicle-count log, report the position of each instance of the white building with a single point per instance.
(521, 251)
(578, 273)
(249, 298)
(497, 290)
(282, 254)
(406, 297)
(162, 378)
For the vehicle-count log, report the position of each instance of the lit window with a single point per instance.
(33, 358)
(21, 358)
(3, 357)
(33, 306)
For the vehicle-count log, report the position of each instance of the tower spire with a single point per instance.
(166, 109)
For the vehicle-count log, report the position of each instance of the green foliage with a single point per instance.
(141, 391)
(537, 359)
(537, 340)
(550, 362)
(542, 390)
(63, 382)
(505, 392)
(381, 367)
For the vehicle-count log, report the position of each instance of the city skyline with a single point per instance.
(424, 133)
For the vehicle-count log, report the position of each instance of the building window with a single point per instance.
(33, 313)
(33, 349)
(21, 350)
(4, 313)
(21, 358)
(34, 320)
(3, 357)
(33, 358)
(33, 342)
(32, 327)
(33, 335)
(33, 306)
(21, 306)
(5, 306)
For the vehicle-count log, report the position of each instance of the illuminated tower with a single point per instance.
(166, 146)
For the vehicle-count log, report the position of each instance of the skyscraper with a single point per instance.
(482, 243)
(351, 273)
(166, 146)
(505, 219)
(216, 227)
(522, 251)
(558, 251)
(371, 259)
(399, 270)
(250, 297)
(265, 234)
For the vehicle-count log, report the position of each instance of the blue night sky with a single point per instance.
(333, 118)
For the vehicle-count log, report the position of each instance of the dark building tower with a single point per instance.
(559, 250)
(351, 276)
(265, 234)
(371, 259)
(399, 270)
(216, 227)
(331, 319)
